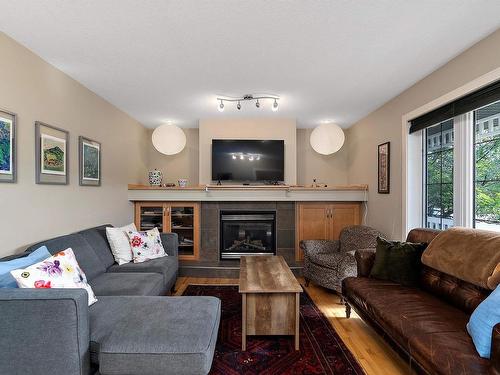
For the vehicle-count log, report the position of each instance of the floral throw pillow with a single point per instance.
(61, 270)
(146, 245)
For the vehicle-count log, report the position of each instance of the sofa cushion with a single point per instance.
(128, 284)
(447, 353)
(87, 258)
(413, 317)
(398, 261)
(167, 266)
(482, 321)
(177, 337)
(146, 245)
(59, 271)
(6, 278)
(96, 237)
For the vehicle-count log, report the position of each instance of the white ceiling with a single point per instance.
(162, 60)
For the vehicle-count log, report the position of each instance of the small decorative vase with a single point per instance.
(155, 177)
(183, 182)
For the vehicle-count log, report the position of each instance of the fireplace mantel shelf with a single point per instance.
(340, 193)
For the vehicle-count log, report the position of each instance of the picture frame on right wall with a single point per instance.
(89, 162)
(384, 168)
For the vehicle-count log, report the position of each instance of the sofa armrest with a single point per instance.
(364, 261)
(44, 331)
(495, 351)
(319, 246)
(170, 243)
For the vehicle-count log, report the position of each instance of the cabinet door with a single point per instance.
(149, 215)
(184, 219)
(343, 215)
(312, 223)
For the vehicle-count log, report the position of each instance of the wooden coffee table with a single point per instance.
(270, 298)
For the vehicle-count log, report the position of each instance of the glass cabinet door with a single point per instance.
(184, 221)
(149, 216)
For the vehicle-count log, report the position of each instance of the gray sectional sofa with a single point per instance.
(133, 328)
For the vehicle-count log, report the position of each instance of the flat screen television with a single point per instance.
(248, 160)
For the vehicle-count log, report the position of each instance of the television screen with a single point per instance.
(248, 160)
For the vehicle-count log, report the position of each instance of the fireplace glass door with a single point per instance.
(247, 233)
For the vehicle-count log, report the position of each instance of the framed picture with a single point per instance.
(384, 168)
(51, 154)
(89, 162)
(8, 168)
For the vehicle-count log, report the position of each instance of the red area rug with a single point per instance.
(321, 349)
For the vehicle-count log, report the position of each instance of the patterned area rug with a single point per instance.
(321, 349)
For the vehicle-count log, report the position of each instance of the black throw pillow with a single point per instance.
(398, 261)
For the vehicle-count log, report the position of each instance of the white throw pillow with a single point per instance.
(119, 243)
(61, 270)
(146, 245)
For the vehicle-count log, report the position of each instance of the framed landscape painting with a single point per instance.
(8, 168)
(51, 153)
(384, 168)
(89, 161)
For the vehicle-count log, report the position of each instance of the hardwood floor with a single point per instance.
(376, 357)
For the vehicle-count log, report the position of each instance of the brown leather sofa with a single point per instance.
(426, 325)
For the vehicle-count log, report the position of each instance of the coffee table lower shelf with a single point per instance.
(270, 314)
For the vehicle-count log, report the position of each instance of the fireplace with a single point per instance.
(247, 233)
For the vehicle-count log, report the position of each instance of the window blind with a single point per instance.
(467, 103)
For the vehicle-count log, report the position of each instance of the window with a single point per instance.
(487, 170)
(460, 170)
(439, 177)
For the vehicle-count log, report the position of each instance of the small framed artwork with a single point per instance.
(384, 168)
(51, 154)
(8, 168)
(89, 162)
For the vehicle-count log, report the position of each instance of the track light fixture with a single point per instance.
(221, 106)
(249, 97)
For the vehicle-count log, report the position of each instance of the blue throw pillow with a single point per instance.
(6, 279)
(482, 321)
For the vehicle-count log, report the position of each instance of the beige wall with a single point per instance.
(248, 129)
(183, 165)
(328, 169)
(36, 90)
(385, 124)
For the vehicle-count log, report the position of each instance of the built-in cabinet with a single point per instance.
(323, 221)
(182, 218)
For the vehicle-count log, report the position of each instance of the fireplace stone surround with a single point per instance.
(210, 226)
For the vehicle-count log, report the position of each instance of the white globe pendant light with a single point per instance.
(327, 139)
(168, 139)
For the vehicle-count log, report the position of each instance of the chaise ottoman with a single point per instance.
(161, 335)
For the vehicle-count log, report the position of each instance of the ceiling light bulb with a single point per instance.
(239, 105)
(275, 106)
(242, 157)
(257, 104)
(221, 106)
